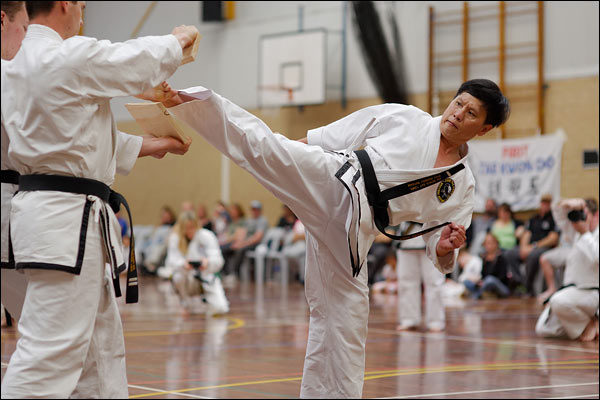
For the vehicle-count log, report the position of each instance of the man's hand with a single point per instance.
(453, 237)
(161, 93)
(158, 147)
(185, 34)
(173, 101)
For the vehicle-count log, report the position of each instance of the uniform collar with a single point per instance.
(42, 31)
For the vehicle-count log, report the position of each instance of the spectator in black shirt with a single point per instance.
(287, 219)
(538, 235)
(494, 272)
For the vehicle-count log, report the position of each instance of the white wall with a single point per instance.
(228, 56)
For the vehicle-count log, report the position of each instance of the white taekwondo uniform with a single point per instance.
(413, 268)
(204, 244)
(403, 145)
(14, 283)
(59, 122)
(571, 308)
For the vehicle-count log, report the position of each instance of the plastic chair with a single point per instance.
(269, 243)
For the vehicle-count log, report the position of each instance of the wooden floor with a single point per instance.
(489, 350)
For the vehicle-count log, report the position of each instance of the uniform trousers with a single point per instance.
(303, 178)
(413, 268)
(568, 313)
(71, 342)
(188, 286)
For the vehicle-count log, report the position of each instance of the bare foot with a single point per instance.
(435, 329)
(406, 327)
(542, 297)
(590, 332)
(185, 312)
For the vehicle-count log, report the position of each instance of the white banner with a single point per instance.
(516, 171)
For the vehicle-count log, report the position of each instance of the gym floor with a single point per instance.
(489, 349)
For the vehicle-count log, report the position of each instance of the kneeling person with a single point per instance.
(195, 258)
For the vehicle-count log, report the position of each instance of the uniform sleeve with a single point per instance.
(109, 70)
(559, 215)
(128, 149)
(462, 216)
(175, 260)
(343, 133)
(207, 240)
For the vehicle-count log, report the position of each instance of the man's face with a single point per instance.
(13, 33)
(464, 119)
(74, 18)
(545, 207)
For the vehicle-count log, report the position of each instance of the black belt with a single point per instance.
(10, 176)
(94, 188)
(379, 200)
(570, 285)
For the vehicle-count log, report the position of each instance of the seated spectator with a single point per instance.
(255, 228)
(154, 252)
(221, 220)
(194, 260)
(296, 249)
(572, 311)
(557, 257)
(539, 235)
(125, 233)
(389, 283)
(494, 272)
(480, 226)
(470, 266)
(287, 219)
(203, 219)
(187, 206)
(236, 228)
(504, 228)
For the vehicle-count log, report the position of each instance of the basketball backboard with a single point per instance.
(291, 69)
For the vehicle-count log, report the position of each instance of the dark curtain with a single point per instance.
(384, 61)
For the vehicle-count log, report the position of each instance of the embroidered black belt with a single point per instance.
(91, 187)
(379, 200)
(9, 176)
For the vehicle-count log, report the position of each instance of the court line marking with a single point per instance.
(489, 341)
(160, 390)
(228, 385)
(583, 396)
(237, 323)
(384, 374)
(481, 367)
(491, 391)
(376, 371)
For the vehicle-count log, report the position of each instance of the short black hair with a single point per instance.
(11, 8)
(35, 8)
(486, 91)
(592, 205)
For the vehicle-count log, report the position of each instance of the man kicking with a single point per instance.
(412, 168)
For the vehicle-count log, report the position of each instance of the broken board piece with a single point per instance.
(190, 52)
(156, 120)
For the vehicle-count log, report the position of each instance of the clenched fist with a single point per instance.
(453, 237)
